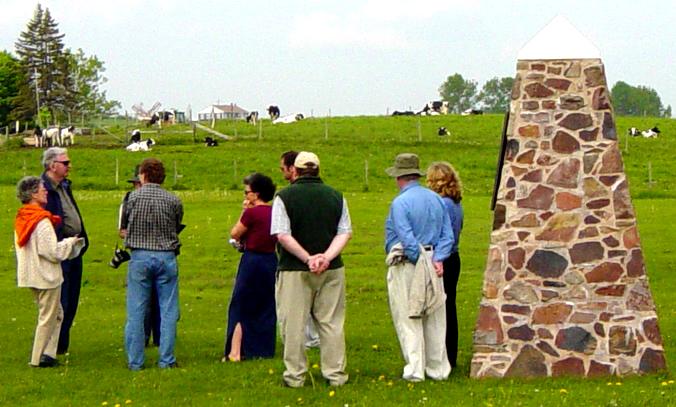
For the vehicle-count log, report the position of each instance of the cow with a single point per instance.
(67, 136)
(273, 111)
(210, 142)
(144, 145)
(252, 117)
(434, 108)
(442, 131)
(634, 132)
(471, 112)
(37, 135)
(291, 118)
(51, 136)
(404, 113)
(651, 133)
(135, 136)
(153, 119)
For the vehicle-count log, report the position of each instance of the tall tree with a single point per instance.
(637, 100)
(11, 79)
(40, 49)
(86, 78)
(495, 94)
(458, 92)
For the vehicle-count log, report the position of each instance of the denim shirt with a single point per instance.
(456, 213)
(418, 216)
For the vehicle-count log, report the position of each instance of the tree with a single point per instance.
(495, 94)
(458, 92)
(86, 78)
(11, 79)
(637, 101)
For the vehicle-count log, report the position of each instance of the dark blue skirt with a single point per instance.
(253, 305)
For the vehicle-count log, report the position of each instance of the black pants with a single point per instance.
(70, 296)
(451, 275)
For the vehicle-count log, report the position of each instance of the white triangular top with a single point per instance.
(559, 40)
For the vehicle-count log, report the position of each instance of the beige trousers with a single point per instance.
(50, 315)
(422, 340)
(300, 293)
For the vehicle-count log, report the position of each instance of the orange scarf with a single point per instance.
(28, 216)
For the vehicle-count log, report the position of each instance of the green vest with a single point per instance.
(314, 210)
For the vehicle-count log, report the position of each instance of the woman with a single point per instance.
(39, 257)
(444, 180)
(252, 316)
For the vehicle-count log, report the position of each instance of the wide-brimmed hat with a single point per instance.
(405, 164)
(135, 178)
(304, 158)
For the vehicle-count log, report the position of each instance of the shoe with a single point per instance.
(170, 366)
(48, 361)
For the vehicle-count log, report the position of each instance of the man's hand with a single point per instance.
(438, 268)
(123, 233)
(318, 263)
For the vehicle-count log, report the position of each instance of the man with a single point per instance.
(312, 223)
(152, 218)
(288, 170)
(418, 237)
(60, 201)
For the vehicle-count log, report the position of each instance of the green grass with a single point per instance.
(210, 187)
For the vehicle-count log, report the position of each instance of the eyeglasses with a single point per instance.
(66, 163)
(247, 191)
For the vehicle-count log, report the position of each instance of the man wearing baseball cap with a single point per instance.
(312, 224)
(418, 237)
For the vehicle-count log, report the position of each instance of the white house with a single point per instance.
(231, 111)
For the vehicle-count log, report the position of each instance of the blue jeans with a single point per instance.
(149, 268)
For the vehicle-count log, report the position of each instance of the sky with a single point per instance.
(340, 57)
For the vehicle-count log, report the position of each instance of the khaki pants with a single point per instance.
(422, 340)
(300, 293)
(50, 315)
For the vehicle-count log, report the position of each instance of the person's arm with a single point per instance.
(291, 245)
(442, 249)
(48, 247)
(241, 226)
(404, 231)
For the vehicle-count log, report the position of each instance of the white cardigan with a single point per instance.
(39, 260)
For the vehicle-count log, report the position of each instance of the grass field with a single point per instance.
(354, 153)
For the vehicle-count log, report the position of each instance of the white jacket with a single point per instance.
(38, 262)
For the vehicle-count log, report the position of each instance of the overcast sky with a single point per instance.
(352, 57)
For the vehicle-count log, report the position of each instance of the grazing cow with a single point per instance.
(67, 136)
(434, 108)
(135, 136)
(471, 111)
(51, 135)
(442, 131)
(153, 119)
(651, 133)
(404, 113)
(289, 118)
(273, 111)
(37, 135)
(144, 145)
(210, 142)
(252, 117)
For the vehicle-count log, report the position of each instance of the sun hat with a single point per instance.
(405, 164)
(304, 158)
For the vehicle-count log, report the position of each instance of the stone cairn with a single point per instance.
(565, 290)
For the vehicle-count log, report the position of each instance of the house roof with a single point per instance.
(230, 108)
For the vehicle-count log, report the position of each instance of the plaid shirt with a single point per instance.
(152, 217)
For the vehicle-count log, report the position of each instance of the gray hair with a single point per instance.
(50, 154)
(26, 187)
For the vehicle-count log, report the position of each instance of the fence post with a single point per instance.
(260, 129)
(419, 131)
(326, 128)
(117, 171)
(366, 173)
(650, 174)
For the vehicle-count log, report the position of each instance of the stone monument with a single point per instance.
(565, 290)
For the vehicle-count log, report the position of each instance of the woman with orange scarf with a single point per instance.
(39, 256)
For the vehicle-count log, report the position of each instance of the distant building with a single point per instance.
(231, 111)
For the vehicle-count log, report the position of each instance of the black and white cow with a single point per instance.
(404, 113)
(471, 112)
(443, 131)
(37, 135)
(144, 145)
(634, 132)
(67, 136)
(135, 136)
(252, 118)
(210, 142)
(651, 133)
(291, 118)
(434, 108)
(273, 111)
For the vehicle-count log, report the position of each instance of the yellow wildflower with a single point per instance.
(332, 393)
(563, 391)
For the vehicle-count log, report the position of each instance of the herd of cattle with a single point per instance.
(274, 113)
(650, 133)
(434, 108)
(54, 136)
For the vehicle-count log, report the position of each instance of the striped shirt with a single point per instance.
(152, 217)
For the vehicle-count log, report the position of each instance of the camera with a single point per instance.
(119, 257)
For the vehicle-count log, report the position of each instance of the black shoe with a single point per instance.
(48, 361)
(172, 366)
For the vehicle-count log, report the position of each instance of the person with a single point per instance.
(286, 167)
(153, 222)
(444, 180)
(251, 316)
(39, 256)
(418, 238)
(312, 223)
(60, 202)
(151, 323)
